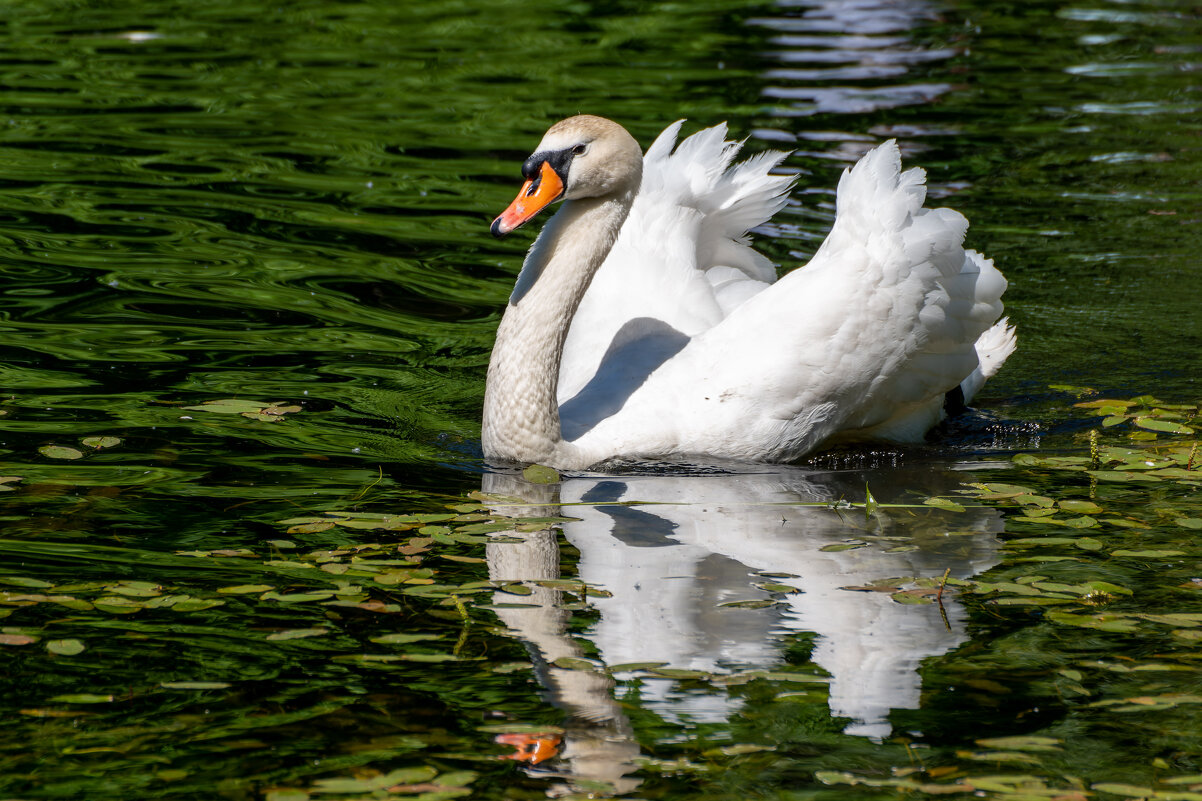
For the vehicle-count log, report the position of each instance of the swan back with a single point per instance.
(862, 342)
(682, 261)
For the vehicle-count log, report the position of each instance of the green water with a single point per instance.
(288, 203)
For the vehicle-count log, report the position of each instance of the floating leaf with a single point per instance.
(772, 586)
(235, 552)
(1023, 743)
(627, 667)
(944, 503)
(1147, 553)
(279, 408)
(403, 639)
(22, 581)
(1191, 635)
(1164, 426)
(297, 597)
(1103, 403)
(921, 595)
(1106, 587)
(737, 749)
(844, 546)
(1027, 542)
(136, 589)
(285, 794)
(679, 673)
(1122, 475)
(998, 756)
(101, 442)
(118, 605)
(311, 528)
(83, 698)
(65, 647)
(576, 663)
(1183, 780)
(228, 406)
(194, 685)
(540, 474)
(245, 589)
(297, 634)
(1079, 507)
(381, 782)
(60, 452)
(1181, 619)
(1128, 790)
(420, 657)
(757, 603)
(1104, 622)
(195, 605)
(17, 639)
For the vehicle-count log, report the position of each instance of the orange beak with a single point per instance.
(534, 196)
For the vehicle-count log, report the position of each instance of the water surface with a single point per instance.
(290, 204)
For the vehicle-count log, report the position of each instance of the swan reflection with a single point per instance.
(692, 543)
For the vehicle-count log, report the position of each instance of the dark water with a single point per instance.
(289, 203)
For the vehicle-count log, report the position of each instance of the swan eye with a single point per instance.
(579, 150)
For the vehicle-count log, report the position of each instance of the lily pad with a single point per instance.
(60, 452)
(65, 647)
(194, 685)
(296, 634)
(83, 698)
(539, 474)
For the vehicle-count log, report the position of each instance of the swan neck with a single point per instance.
(521, 411)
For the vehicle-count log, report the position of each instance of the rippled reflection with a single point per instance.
(825, 42)
(673, 550)
(289, 202)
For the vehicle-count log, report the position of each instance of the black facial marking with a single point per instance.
(560, 161)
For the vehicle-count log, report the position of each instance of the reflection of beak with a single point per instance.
(535, 195)
(532, 748)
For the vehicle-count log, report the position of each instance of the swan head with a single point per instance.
(580, 157)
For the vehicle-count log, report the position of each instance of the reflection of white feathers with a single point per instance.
(700, 543)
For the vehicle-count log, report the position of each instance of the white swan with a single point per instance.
(644, 325)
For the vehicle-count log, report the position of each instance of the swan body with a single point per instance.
(644, 325)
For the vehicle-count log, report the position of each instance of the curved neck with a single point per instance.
(521, 413)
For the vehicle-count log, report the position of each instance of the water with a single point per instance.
(289, 203)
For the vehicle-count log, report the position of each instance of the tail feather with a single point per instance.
(731, 199)
(993, 348)
(699, 173)
(914, 256)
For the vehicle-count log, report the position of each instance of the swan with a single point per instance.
(643, 324)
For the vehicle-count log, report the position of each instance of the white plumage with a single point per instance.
(685, 345)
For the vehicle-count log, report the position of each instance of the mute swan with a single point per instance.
(643, 324)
